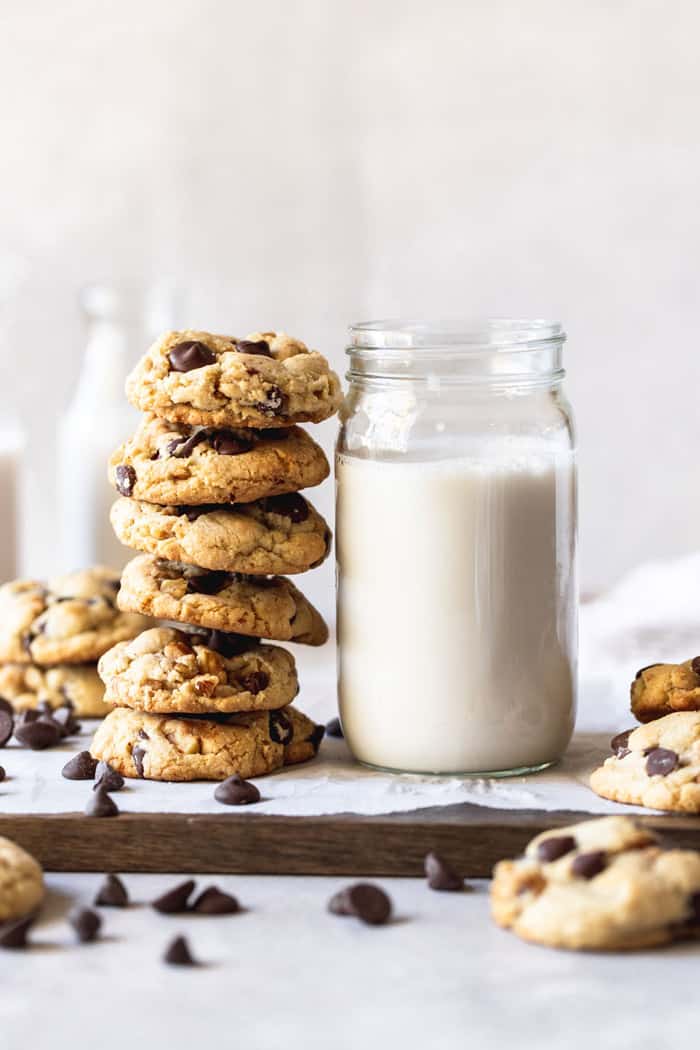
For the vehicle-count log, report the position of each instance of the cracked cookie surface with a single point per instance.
(601, 884)
(656, 765)
(21, 882)
(280, 534)
(661, 689)
(26, 686)
(162, 747)
(175, 464)
(71, 619)
(261, 606)
(267, 379)
(168, 671)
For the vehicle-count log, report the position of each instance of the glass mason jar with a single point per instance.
(456, 547)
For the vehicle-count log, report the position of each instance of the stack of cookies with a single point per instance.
(53, 633)
(209, 489)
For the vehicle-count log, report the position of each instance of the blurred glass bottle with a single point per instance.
(11, 455)
(120, 325)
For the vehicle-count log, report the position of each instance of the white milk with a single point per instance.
(456, 612)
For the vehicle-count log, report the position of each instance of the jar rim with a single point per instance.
(456, 336)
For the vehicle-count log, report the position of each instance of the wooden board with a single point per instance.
(472, 837)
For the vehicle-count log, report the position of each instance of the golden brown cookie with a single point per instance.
(261, 606)
(175, 464)
(280, 534)
(661, 689)
(603, 884)
(167, 747)
(26, 686)
(267, 379)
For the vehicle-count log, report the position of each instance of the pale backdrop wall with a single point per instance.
(303, 163)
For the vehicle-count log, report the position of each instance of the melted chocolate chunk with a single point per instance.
(660, 761)
(255, 682)
(229, 644)
(273, 405)
(227, 443)
(208, 582)
(588, 865)
(190, 354)
(291, 505)
(316, 736)
(125, 479)
(280, 727)
(618, 744)
(259, 347)
(183, 447)
(138, 754)
(554, 847)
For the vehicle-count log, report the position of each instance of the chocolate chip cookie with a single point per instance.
(261, 606)
(280, 534)
(164, 671)
(661, 689)
(72, 619)
(267, 379)
(603, 884)
(26, 686)
(656, 765)
(176, 464)
(171, 747)
(21, 882)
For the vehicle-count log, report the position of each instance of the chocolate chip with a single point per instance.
(363, 900)
(281, 730)
(25, 717)
(229, 644)
(234, 791)
(80, 767)
(334, 728)
(291, 505)
(618, 744)
(86, 924)
(695, 665)
(553, 848)
(214, 901)
(65, 720)
(5, 705)
(39, 734)
(138, 754)
(107, 778)
(694, 903)
(315, 737)
(255, 682)
(440, 875)
(273, 404)
(273, 434)
(661, 761)
(259, 347)
(14, 934)
(112, 893)
(641, 670)
(3, 774)
(100, 804)
(178, 953)
(226, 443)
(208, 582)
(191, 354)
(588, 865)
(7, 726)
(183, 447)
(174, 900)
(125, 479)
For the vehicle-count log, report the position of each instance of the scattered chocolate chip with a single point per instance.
(178, 953)
(3, 774)
(588, 865)
(100, 804)
(291, 505)
(125, 479)
(273, 404)
(65, 720)
(7, 726)
(618, 744)
(661, 761)
(174, 900)
(208, 582)
(255, 682)
(138, 754)
(281, 730)
(14, 934)
(107, 778)
(86, 924)
(5, 705)
(695, 665)
(80, 767)
(25, 717)
(229, 644)
(227, 443)
(112, 893)
(234, 791)
(641, 670)
(191, 354)
(316, 736)
(334, 728)
(38, 734)
(259, 347)
(440, 875)
(214, 901)
(363, 900)
(553, 848)
(44, 707)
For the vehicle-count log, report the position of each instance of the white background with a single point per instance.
(303, 163)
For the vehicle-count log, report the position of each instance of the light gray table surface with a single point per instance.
(285, 973)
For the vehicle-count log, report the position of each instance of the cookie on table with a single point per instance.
(280, 534)
(172, 747)
(72, 619)
(26, 686)
(21, 882)
(661, 689)
(168, 671)
(267, 379)
(176, 464)
(261, 606)
(656, 765)
(603, 884)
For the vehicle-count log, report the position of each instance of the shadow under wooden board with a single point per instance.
(473, 838)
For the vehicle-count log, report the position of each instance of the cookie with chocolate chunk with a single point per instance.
(604, 884)
(261, 606)
(280, 534)
(164, 670)
(661, 689)
(26, 686)
(267, 379)
(176, 464)
(171, 747)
